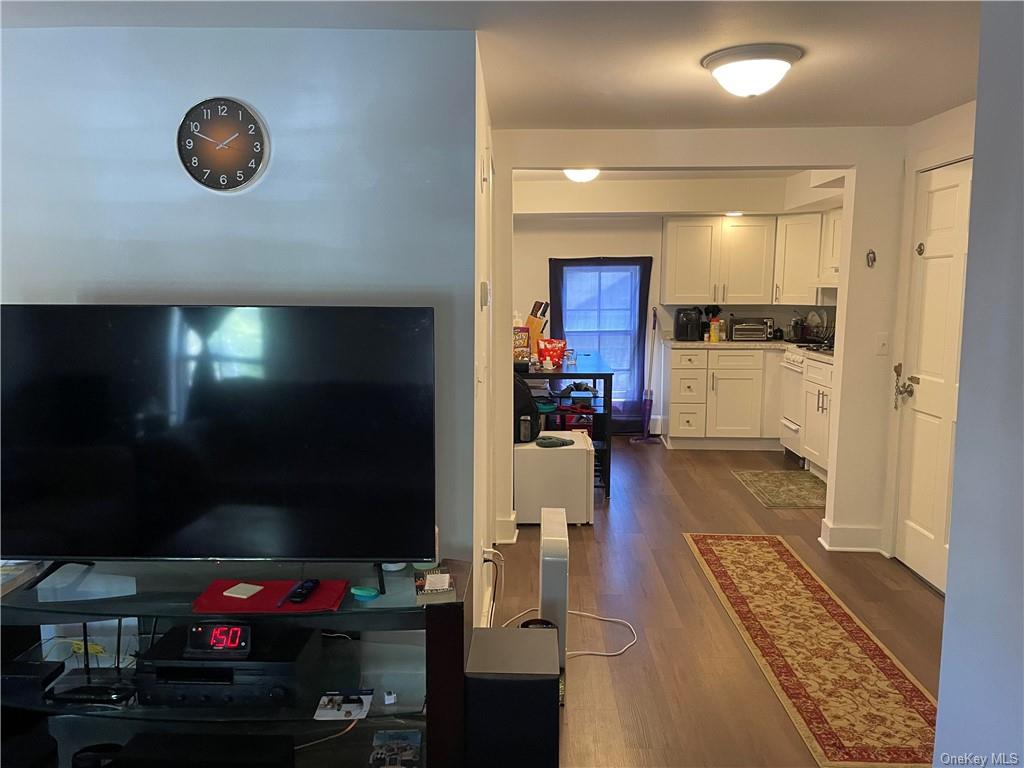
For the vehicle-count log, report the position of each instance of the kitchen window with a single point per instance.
(600, 306)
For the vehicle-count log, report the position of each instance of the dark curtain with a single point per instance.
(626, 416)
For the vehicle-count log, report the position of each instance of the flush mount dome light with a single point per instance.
(750, 70)
(734, 213)
(581, 175)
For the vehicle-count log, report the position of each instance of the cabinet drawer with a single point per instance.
(818, 373)
(689, 385)
(736, 359)
(689, 358)
(686, 420)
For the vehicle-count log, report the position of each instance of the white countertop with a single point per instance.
(819, 357)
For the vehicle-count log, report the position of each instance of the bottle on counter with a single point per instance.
(715, 332)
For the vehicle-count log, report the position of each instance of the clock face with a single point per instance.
(222, 144)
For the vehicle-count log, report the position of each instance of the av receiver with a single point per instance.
(223, 663)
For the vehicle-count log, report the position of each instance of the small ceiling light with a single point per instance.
(734, 213)
(581, 175)
(750, 70)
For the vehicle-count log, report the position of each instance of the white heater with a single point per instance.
(554, 573)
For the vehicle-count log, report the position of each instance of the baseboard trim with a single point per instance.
(722, 443)
(505, 531)
(851, 538)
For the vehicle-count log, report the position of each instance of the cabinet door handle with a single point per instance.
(714, 295)
(776, 291)
(818, 406)
(712, 381)
(824, 403)
(725, 290)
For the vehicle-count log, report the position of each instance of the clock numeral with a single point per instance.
(239, 115)
(256, 146)
(240, 175)
(194, 126)
(252, 129)
(206, 114)
(222, 110)
(223, 179)
(206, 172)
(195, 162)
(252, 163)
(189, 143)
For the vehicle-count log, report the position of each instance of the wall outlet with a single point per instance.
(882, 344)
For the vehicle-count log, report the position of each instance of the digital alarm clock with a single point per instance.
(217, 639)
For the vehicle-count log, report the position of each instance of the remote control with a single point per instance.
(303, 591)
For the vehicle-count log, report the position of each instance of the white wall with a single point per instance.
(540, 238)
(980, 683)
(483, 502)
(367, 198)
(753, 195)
(866, 296)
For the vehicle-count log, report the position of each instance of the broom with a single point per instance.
(648, 401)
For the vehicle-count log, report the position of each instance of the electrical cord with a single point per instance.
(494, 589)
(501, 594)
(576, 654)
(327, 738)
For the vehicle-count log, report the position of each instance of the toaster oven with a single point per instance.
(748, 329)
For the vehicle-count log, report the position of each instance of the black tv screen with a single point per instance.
(217, 432)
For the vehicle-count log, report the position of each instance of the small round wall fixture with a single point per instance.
(750, 70)
(223, 144)
(581, 175)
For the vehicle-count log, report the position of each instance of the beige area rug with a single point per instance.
(785, 488)
(853, 703)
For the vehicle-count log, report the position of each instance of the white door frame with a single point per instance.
(928, 160)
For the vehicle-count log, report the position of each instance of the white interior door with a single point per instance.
(928, 418)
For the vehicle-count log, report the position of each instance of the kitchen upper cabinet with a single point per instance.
(691, 260)
(734, 403)
(815, 429)
(797, 253)
(747, 260)
(831, 240)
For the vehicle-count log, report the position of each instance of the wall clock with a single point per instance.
(222, 144)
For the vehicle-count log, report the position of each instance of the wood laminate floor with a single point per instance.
(690, 693)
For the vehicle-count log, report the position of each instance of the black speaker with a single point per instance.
(512, 682)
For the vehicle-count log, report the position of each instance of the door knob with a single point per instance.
(920, 249)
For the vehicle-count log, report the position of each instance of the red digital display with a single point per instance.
(232, 639)
(225, 637)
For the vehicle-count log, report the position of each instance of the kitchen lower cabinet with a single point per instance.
(814, 432)
(734, 400)
(687, 420)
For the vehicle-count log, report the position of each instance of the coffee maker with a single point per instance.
(688, 324)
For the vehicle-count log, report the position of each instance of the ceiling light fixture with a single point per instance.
(581, 175)
(750, 70)
(734, 213)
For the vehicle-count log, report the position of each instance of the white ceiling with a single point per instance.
(637, 64)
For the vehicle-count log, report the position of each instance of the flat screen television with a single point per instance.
(224, 432)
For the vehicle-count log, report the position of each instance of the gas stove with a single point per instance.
(825, 348)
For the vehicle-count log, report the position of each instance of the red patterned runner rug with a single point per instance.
(853, 703)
